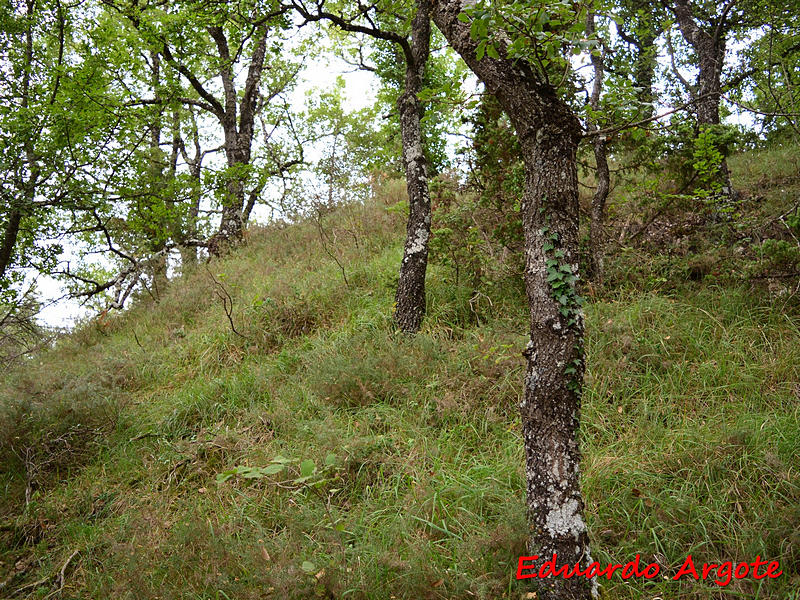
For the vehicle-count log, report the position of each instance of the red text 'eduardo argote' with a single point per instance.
(721, 573)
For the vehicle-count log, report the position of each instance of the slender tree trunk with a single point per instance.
(410, 297)
(602, 174)
(189, 227)
(645, 62)
(549, 133)
(597, 236)
(188, 252)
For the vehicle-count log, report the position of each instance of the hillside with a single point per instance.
(119, 446)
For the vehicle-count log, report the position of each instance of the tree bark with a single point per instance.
(642, 38)
(10, 234)
(710, 51)
(189, 228)
(602, 174)
(238, 135)
(410, 296)
(549, 133)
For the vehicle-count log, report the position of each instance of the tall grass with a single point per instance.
(690, 434)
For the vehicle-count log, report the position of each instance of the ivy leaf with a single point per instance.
(480, 51)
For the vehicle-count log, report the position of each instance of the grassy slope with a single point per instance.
(691, 429)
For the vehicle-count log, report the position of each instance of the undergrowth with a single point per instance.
(112, 441)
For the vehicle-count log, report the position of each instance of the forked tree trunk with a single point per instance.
(410, 297)
(549, 133)
(710, 50)
(238, 134)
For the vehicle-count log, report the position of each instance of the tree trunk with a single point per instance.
(410, 297)
(597, 223)
(10, 235)
(238, 135)
(710, 51)
(189, 227)
(237, 151)
(602, 175)
(549, 133)
(644, 73)
(642, 38)
(188, 251)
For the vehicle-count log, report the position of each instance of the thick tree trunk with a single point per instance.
(549, 133)
(552, 396)
(410, 297)
(237, 152)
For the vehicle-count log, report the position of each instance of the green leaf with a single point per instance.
(307, 468)
(250, 473)
(225, 475)
(463, 17)
(308, 566)
(480, 50)
(273, 469)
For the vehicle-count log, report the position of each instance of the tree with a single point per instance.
(54, 137)
(415, 45)
(602, 174)
(705, 26)
(518, 71)
(769, 71)
(638, 25)
(186, 31)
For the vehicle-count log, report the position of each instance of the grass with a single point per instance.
(690, 431)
